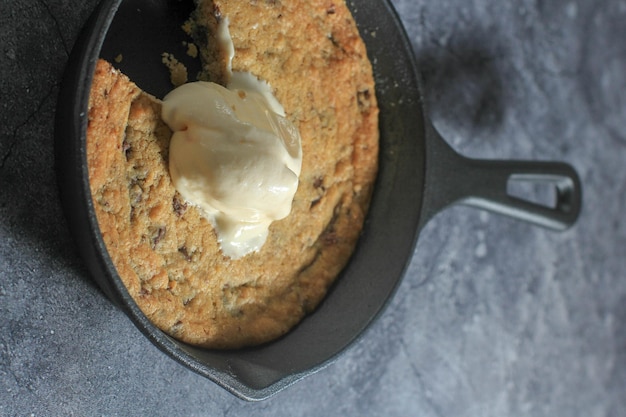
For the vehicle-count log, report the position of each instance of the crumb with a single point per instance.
(178, 71)
(119, 58)
(186, 27)
(192, 49)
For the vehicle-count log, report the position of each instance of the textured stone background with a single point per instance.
(494, 318)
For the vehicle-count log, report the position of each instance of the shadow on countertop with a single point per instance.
(36, 39)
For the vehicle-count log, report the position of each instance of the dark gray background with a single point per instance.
(494, 318)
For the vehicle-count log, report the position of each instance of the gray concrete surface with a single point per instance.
(494, 318)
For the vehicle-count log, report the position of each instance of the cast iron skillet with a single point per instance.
(419, 176)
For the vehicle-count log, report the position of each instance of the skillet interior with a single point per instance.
(389, 234)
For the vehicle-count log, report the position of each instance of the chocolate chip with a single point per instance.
(135, 194)
(330, 238)
(184, 251)
(126, 149)
(157, 235)
(319, 181)
(315, 202)
(334, 41)
(363, 98)
(179, 206)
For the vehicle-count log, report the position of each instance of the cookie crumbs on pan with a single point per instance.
(192, 49)
(178, 71)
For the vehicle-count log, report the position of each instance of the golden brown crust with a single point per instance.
(167, 254)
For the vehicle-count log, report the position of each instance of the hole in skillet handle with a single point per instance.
(547, 194)
(550, 191)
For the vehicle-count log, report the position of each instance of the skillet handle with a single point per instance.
(455, 179)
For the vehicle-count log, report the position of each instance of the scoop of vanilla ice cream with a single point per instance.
(233, 156)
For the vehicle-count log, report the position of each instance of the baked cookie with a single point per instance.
(166, 252)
